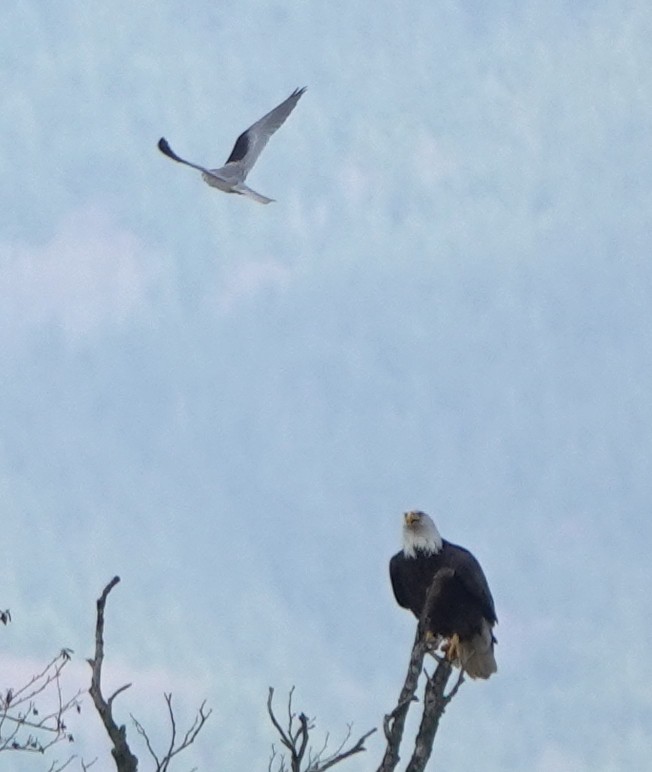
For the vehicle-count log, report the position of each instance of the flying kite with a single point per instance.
(249, 145)
(462, 610)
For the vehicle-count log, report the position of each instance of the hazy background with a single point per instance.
(231, 405)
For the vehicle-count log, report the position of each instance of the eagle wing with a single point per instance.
(470, 573)
(396, 574)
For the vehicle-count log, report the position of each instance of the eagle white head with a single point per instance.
(420, 533)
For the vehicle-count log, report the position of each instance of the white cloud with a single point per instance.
(92, 275)
(431, 162)
(556, 758)
(250, 279)
(149, 684)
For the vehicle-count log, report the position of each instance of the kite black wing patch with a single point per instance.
(240, 149)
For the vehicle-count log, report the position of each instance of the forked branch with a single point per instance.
(176, 744)
(295, 738)
(435, 698)
(25, 725)
(124, 759)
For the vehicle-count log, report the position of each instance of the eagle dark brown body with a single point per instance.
(462, 609)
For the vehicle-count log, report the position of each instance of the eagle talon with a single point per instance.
(452, 648)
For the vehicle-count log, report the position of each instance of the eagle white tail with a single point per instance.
(477, 654)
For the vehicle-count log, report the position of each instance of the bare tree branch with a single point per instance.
(163, 764)
(173, 725)
(284, 738)
(435, 701)
(124, 759)
(23, 725)
(121, 752)
(296, 737)
(338, 756)
(85, 765)
(281, 764)
(141, 731)
(394, 722)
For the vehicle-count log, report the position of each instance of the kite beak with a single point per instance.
(411, 517)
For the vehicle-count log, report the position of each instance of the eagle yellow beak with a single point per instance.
(411, 517)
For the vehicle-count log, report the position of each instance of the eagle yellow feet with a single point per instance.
(452, 648)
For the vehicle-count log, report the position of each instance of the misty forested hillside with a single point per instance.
(229, 405)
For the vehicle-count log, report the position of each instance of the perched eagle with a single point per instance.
(462, 609)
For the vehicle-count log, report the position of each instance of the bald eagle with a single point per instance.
(462, 610)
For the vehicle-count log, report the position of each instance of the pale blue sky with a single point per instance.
(231, 405)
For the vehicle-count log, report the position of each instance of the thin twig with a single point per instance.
(357, 748)
(141, 731)
(22, 725)
(296, 740)
(284, 738)
(189, 737)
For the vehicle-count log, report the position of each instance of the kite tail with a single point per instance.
(243, 190)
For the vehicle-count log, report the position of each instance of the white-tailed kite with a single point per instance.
(249, 145)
